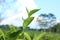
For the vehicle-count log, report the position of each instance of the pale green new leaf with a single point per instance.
(33, 11)
(41, 35)
(27, 21)
(27, 10)
(27, 36)
(24, 36)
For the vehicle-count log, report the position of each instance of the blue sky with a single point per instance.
(49, 6)
(10, 9)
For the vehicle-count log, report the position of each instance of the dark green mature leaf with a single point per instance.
(33, 11)
(27, 21)
(12, 28)
(2, 36)
(15, 34)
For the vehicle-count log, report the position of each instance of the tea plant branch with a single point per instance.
(28, 20)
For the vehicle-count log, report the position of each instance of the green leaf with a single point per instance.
(27, 10)
(24, 36)
(33, 11)
(27, 21)
(27, 36)
(2, 36)
(12, 28)
(41, 35)
(15, 34)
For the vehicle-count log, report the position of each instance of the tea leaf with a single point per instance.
(33, 11)
(12, 28)
(2, 37)
(41, 35)
(15, 34)
(27, 36)
(27, 10)
(27, 21)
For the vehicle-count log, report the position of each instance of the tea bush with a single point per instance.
(23, 34)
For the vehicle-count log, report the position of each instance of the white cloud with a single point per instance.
(21, 10)
(57, 21)
(30, 4)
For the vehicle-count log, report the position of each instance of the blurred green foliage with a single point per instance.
(10, 32)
